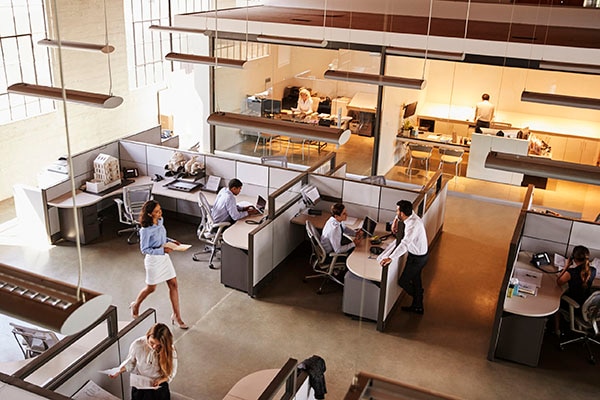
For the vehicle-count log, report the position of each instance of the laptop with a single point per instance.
(368, 226)
(260, 205)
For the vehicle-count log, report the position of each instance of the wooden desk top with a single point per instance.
(547, 300)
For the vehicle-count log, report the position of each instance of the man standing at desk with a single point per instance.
(484, 112)
(415, 243)
(225, 208)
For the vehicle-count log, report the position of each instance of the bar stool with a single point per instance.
(451, 156)
(419, 152)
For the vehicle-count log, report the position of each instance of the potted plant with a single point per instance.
(407, 127)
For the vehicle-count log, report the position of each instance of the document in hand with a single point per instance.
(141, 382)
(180, 247)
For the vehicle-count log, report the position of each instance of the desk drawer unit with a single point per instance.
(520, 338)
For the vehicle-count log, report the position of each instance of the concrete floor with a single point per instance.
(233, 335)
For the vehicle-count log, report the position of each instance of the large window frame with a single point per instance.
(22, 25)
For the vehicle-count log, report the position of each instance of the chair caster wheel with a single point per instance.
(303, 280)
(319, 291)
(211, 266)
(195, 258)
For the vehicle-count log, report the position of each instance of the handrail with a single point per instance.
(287, 376)
(422, 202)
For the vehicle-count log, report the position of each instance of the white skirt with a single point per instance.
(159, 268)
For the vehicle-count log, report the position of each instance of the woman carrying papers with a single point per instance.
(159, 268)
(152, 361)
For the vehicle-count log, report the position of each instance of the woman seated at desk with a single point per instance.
(305, 102)
(579, 278)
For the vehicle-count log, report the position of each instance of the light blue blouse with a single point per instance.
(153, 238)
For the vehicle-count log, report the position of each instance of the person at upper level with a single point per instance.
(484, 112)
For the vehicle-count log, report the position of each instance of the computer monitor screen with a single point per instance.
(311, 195)
(270, 106)
(410, 109)
(368, 226)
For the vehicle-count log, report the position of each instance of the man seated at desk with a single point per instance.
(414, 242)
(226, 209)
(333, 239)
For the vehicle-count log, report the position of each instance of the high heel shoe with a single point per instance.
(180, 325)
(132, 307)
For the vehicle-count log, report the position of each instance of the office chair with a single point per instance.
(451, 156)
(325, 265)
(208, 231)
(130, 207)
(294, 141)
(419, 152)
(33, 341)
(375, 179)
(278, 161)
(585, 325)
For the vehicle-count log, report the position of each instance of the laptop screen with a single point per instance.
(369, 226)
(261, 203)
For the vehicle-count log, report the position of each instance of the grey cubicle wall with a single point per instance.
(539, 232)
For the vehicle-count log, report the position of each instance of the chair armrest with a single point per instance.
(221, 224)
(570, 301)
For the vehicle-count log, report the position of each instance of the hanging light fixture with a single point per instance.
(560, 100)
(292, 41)
(104, 48)
(48, 303)
(381, 80)
(175, 29)
(75, 96)
(439, 55)
(207, 60)
(279, 127)
(570, 67)
(543, 167)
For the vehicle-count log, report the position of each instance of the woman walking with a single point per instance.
(157, 262)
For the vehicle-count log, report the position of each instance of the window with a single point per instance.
(146, 49)
(22, 24)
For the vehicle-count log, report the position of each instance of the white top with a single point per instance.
(331, 238)
(414, 241)
(142, 360)
(305, 106)
(225, 207)
(484, 111)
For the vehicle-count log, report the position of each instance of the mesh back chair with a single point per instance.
(586, 325)
(33, 341)
(325, 265)
(209, 232)
(130, 207)
(419, 152)
(451, 156)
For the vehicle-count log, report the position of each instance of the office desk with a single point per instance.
(524, 319)
(235, 266)
(370, 290)
(87, 204)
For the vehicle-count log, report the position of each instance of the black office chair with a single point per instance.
(325, 265)
(586, 325)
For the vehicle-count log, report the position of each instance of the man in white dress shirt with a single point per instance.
(334, 230)
(484, 112)
(225, 208)
(415, 243)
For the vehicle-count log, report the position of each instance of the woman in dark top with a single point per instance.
(579, 278)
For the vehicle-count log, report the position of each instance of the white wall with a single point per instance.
(30, 145)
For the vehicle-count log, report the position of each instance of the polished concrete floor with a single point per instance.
(233, 334)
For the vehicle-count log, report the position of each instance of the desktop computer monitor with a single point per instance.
(310, 195)
(368, 226)
(270, 106)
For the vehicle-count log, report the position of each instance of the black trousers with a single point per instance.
(410, 279)
(482, 124)
(162, 393)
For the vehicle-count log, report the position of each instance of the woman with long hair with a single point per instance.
(579, 278)
(154, 360)
(159, 268)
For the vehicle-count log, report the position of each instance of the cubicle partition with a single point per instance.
(67, 367)
(519, 322)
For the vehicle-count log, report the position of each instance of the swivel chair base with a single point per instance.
(134, 236)
(586, 343)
